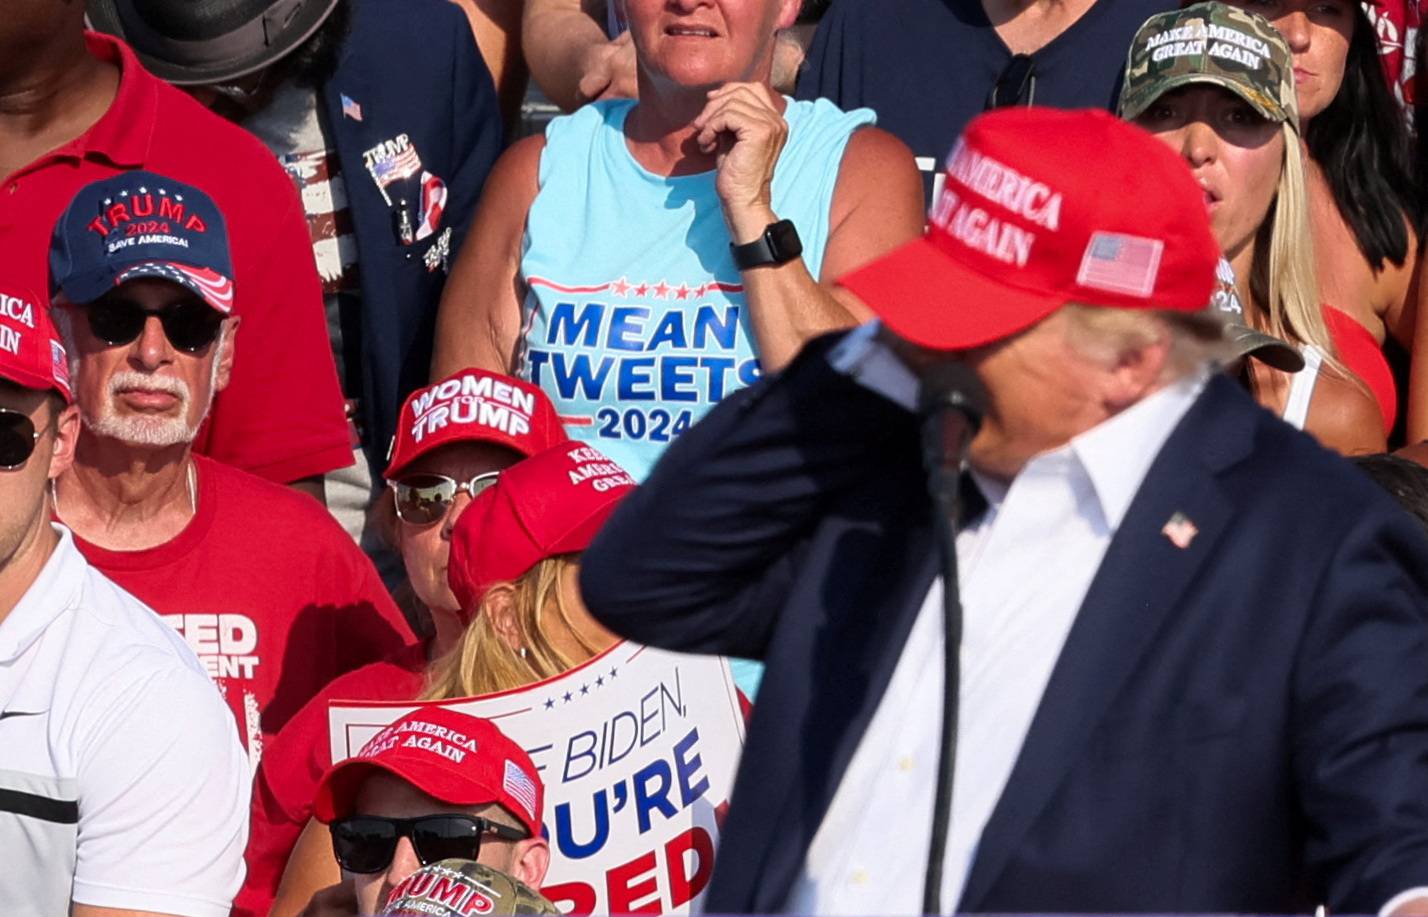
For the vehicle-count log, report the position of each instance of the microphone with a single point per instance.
(463, 888)
(951, 403)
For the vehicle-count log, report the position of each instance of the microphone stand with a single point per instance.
(950, 406)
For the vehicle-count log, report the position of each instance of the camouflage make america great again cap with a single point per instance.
(1216, 44)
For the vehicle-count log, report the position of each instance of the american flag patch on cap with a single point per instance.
(520, 787)
(1118, 263)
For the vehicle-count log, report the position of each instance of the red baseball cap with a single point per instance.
(474, 405)
(451, 756)
(1029, 221)
(549, 504)
(31, 354)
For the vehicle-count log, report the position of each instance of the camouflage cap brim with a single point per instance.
(1133, 103)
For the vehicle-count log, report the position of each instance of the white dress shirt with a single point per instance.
(1025, 566)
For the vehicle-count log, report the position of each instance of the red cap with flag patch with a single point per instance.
(474, 405)
(31, 354)
(451, 756)
(547, 505)
(1025, 225)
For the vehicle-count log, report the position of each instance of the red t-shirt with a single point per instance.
(295, 761)
(282, 415)
(272, 595)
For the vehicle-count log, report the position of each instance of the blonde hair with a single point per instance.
(1102, 334)
(1286, 286)
(484, 662)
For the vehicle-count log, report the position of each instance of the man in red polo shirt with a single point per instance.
(76, 107)
(269, 591)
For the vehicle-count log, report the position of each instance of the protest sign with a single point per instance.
(637, 749)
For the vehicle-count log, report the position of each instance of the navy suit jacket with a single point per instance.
(412, 69)
(1238, 725)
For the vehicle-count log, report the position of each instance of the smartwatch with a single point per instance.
(778, 245)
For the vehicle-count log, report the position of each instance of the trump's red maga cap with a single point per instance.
(1042, 208)
(547, 505)
(474, 405)
(31, 354)
(448, 755)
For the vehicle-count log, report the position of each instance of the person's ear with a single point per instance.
(67, 427)
(499, 608)
(531, 861)
(1136, 373)
(788, 14)
(225, 356)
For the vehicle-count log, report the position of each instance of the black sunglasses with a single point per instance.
(366, 843)
(17, 439)
(423, 499)
(1016, 85)
(190, 325)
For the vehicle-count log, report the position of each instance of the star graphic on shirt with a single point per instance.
(662, 290)
(549, 704)
(600, 682)
(567, 697)
(585, 689)
(614, 673)
(621, 286)
(683, 291)
(642, 289)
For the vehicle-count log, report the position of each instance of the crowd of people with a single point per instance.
(319, 384)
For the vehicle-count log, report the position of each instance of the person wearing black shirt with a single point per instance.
(928, 66)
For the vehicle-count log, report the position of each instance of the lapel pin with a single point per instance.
(1180, 530)
(351, 109)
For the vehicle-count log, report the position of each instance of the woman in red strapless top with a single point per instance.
(1361, 353)
(1361, 183)
(1249, 159)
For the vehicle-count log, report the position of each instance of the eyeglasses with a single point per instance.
(423, 499)
(1016, 85)
(17, 439)
(366, 843)
(190, 325)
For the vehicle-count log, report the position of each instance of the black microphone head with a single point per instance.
(463, 888)
(952, 385)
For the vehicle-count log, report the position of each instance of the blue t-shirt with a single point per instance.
(927, 67)
(635, 318)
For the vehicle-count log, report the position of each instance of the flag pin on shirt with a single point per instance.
(1180, 530)
(351, 109)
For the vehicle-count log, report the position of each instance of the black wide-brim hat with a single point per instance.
(196, 42)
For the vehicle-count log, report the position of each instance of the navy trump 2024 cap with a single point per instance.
(138, 224)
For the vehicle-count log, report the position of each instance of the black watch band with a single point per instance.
(779, 244)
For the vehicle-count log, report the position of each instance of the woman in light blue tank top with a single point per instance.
(600, 264)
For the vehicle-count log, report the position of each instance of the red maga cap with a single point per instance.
(451, 756)
(31, 354)
(549, 504)
(1042, 208)
(474, 405)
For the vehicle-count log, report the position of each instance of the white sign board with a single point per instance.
(637, 748)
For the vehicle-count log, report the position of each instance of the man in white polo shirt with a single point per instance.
(123, 790)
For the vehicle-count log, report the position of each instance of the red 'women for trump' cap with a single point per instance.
(478, 406)
(1042, 208)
